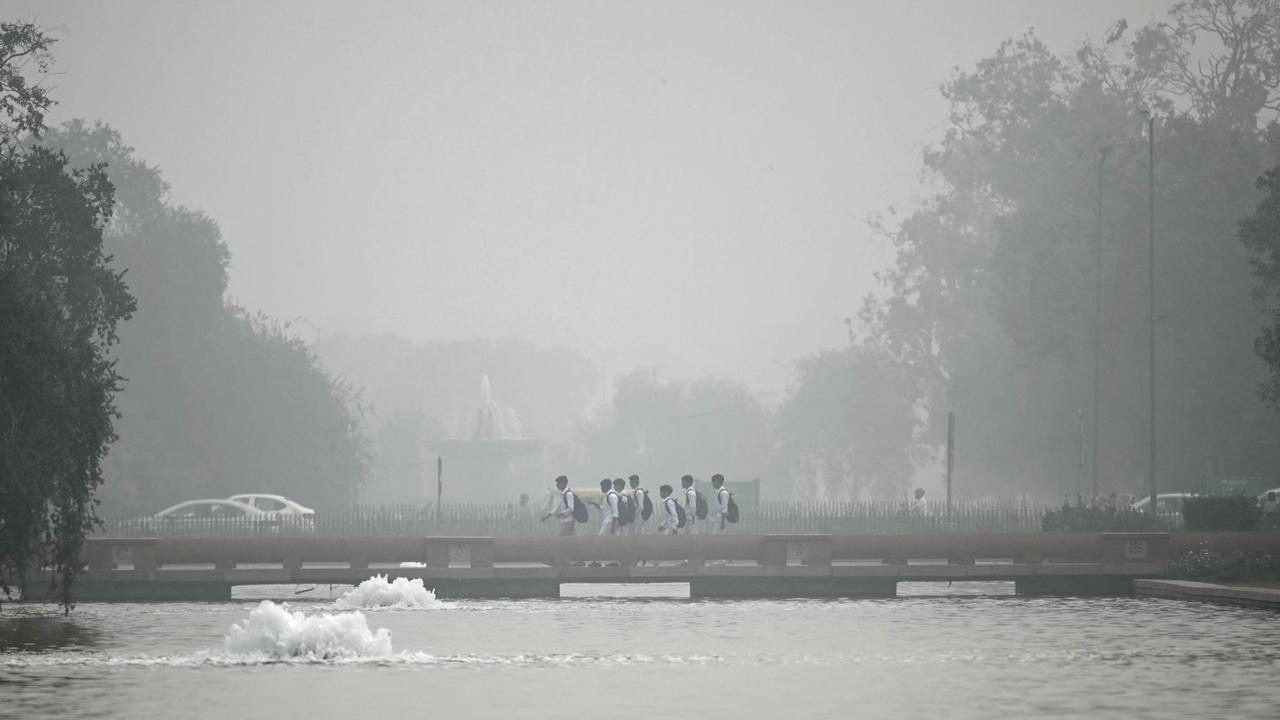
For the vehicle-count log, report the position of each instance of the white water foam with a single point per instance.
(400, 594)
(274, 632)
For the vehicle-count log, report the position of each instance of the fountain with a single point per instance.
(482, 448)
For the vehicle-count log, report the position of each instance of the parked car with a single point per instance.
(209, 510)
(214, 516)
(275, 505)
(1166, 503)
(1270, 501)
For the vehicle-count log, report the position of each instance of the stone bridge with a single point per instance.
(786, 566)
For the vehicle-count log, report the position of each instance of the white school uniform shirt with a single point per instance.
(637, 498)
(690, 505)
(564, 508)
(672, 521)
(721, 507)
(609, 510)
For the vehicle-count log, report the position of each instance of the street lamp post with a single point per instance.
(1151, 298)
(1097, 324)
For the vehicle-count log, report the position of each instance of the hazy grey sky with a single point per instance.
(676, 183)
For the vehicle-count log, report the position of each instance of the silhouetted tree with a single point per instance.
(60, 301)
(219, 400)
(850, 425)
(992, 293)
(1261, 233)
(662, 429)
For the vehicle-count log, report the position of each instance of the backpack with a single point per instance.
(579, 507)
(626, 510)
(700, 505)
(646, 507)
(681, 519)
(731, 513)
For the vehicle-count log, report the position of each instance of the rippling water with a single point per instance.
(974, 654)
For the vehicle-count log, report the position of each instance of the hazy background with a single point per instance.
(648, 224)
(647, 183)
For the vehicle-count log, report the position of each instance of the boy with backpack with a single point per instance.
(691, 515)
(565, 508)
(626, 508)
(643, 505)
(719, 509)
(608, 508)
(673, 517)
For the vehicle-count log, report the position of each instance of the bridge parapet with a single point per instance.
(130, 558)
(1121, 548)
(443, 552)
(793, 565)
(143, 557)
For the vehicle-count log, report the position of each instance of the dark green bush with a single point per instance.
(1207, 565)
(1221, 513)
(1077, 518)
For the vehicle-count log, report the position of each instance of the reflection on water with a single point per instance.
(45, 631)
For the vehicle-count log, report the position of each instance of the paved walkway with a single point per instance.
(1256, 597)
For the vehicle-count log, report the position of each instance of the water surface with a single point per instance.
(977, 652)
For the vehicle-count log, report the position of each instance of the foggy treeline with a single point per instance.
(991, 300)
(215, 399)
(988, 311)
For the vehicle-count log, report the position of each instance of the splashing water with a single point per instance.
(276, 632)
(400, 594)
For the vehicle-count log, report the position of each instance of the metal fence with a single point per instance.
(891, 517)
(483, 520)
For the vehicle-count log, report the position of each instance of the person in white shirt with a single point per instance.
(563, 508)
(671, 513)
(690, 505)
(623, 526)
(608, 508)
(637, 498)
(920, 506)
(1270, 503)
(719, 514)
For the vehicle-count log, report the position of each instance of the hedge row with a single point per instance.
(1224, 513)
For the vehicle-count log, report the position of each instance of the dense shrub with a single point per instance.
(1221, 513)
(1205, 564)
(1077, 518)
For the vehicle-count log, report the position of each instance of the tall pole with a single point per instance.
(1097, 327)
(1151, 301)
(439, 482)
(951, 455)
(1080, 468)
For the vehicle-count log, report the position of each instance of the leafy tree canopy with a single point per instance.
(219, 400)
(992, 293)
(662, 429)
(61, 298)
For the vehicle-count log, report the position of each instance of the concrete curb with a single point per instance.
(1253, 597)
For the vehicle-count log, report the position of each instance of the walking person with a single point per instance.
(626, 511)
(670, 524)
(920, 506)
(608, 507)
(690, 505)
(720, 508)
(563, 509)
(638, 498)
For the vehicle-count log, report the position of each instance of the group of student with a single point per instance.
(626, 511)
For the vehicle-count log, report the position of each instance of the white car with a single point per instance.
(1270, 501)
(210, 510)
(1166, 503)
(276, 506)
